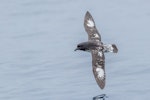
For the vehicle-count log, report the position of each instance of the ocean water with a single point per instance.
(37, 42)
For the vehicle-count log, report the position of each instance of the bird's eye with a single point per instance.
(79, 46)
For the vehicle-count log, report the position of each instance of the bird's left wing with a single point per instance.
(90, 27)
(98, 64)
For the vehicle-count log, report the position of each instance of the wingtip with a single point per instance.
(87, 13)
(102, 86)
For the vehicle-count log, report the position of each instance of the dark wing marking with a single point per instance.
(98, 64)
(90, 27)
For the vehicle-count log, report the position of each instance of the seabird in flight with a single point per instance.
(97, 49)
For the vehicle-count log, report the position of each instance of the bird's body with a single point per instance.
(97, 49)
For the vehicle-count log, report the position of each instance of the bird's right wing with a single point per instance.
(90, 27)
(98, 64)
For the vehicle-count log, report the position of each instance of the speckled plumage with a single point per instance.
(97, 49)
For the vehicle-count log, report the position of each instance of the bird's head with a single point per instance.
(81, 47)
(85, 46)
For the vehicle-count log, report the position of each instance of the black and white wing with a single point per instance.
(98, 64)
(90, 27)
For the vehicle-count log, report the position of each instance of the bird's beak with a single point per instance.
(76, 49)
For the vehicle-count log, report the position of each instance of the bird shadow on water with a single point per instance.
(100, 97)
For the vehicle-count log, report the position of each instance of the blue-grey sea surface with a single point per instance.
(37, 42)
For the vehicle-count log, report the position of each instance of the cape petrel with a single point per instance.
(97, 49)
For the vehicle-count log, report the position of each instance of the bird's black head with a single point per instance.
(85, 46)
(82, 46)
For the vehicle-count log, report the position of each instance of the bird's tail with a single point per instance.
(110, 48)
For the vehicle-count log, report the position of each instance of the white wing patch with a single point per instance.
(96, 35)
(100, 72)
(90, 23)
(108, 48)
(100, 54)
